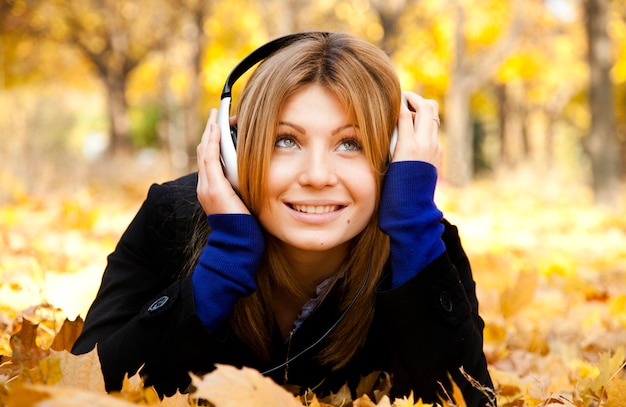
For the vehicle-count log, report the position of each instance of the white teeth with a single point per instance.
(315, 209)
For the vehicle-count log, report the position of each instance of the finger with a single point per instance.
(202, 150)
(427, 110)
(215, 193)
(405, 130)
(424, 142)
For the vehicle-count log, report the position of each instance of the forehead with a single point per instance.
(316, 102)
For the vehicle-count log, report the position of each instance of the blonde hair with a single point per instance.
(362, 77)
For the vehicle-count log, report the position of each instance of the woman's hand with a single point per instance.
(215, 193)
(417, 131)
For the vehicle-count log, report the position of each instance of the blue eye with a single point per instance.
(285, 141)
(349, 144)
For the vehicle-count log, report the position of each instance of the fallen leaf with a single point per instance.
(228, 386)
(616, 393)
(24, 345)
(51, 396)
(80, 371)
(177, 400)
(516, 297)
(134, 390)
(65, 338)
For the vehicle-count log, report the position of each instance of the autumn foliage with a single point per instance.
(548, 264)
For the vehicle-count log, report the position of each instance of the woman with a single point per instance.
(331, 260)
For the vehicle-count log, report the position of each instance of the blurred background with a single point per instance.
(101, 98)
(538, 85)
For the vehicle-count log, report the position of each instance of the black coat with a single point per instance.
(144, 315)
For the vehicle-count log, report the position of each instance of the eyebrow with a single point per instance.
(302, 129)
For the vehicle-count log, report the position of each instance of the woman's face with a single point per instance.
(321, 187)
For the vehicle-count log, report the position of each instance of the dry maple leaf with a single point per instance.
(177, 400)
(52, 396)
(24, 345)
(311, 400)
(609, 365)
(65, 338)
(616, 393)
(410, 402)
(228, 386)
(79, 371)
(134, 390)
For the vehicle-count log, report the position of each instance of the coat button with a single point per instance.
(159, 303)
(446, 301)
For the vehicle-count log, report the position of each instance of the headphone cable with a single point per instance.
(332, 327)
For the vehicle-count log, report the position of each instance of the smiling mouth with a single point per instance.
(315, 209)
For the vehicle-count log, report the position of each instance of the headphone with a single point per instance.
(228, 145)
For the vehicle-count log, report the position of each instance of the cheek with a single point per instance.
(365, 191)
(278, 179)
(277, 182)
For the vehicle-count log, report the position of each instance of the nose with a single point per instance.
(317, 170)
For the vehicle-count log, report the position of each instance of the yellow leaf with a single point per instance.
(404, 402)
(52, 396)
(79, 371)
(24, 345)
(342, 397)
(530, 400)
(384, 402)
(617, 305)
(177, 400)
(65, 338)
(48, 371)
(516, 297)
(228, 386)
(409, 402)
(133, 390)
(363, 401)
(608, 367)
(312, 401)
(21, 397)
(616, 393)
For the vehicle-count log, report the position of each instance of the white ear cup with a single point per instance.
(394, 136)
(228, 152)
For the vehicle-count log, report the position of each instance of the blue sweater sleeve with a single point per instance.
(227, 266)
(409, 216)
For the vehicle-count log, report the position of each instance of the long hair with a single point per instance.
(362, 77)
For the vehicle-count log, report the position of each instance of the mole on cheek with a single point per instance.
(348, 221)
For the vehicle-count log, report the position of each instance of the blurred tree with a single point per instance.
(530, 85)
(15, 17)
(390, 14)
(192, 18)
(601, 143)
(282, 17)
(115, 36)
(472, 66)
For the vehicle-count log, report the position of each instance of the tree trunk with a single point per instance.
(601, 143)
(194, 122)
(458, 160)
(119, 126)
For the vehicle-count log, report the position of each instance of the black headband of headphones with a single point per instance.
(260, 54)
(228, 149)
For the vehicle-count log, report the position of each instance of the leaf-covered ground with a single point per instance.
(550, 268)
